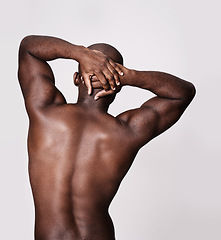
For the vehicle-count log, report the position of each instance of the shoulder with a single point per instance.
(136, 117)
(141, 123)
(59, 111)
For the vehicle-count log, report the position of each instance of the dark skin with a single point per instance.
(78, 153)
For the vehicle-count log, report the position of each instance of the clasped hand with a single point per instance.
(96, 64)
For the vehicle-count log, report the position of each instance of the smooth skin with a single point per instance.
(78, 153)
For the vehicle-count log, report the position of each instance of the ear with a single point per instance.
(76, 79)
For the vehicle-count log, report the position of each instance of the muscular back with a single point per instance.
(78, 153)
(78, 158)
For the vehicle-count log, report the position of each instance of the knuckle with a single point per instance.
(111, 78)
(106, 84)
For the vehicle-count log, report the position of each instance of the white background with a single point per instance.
(172, 191)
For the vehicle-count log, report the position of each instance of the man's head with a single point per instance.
(111, 52)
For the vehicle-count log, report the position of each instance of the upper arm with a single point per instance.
(153, 117)
(37, 82)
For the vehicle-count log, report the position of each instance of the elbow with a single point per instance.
(25, 43)
(189, 93)
(192, 91)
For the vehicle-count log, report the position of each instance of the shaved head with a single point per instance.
(108, 50)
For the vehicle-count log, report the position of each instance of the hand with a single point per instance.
(95, 63)
(128, 74)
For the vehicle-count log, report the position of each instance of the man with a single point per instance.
(78, 153)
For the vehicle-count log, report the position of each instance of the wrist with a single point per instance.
(128, 77)
(79, 52)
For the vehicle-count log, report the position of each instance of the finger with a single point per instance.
(115, 74)
(87, 82)
(103, 81)
(82, 79)
(110, 78)
(116, 67)
(94, 78)
(97, 84)
(103, 93)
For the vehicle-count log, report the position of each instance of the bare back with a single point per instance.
(78, 153)
(76, 166)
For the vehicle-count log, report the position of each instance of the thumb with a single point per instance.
(87, 82)
(103, 93)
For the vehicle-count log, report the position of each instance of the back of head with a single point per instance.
(108, 50)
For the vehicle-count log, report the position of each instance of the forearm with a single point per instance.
(162, 84)
(50, 48)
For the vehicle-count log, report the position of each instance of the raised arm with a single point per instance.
(36, 77)
(156, 115)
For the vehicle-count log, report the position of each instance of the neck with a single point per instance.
(87, 101)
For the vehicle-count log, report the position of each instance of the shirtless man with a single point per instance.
(78, 153)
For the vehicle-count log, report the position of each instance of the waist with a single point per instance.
(74, 228)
